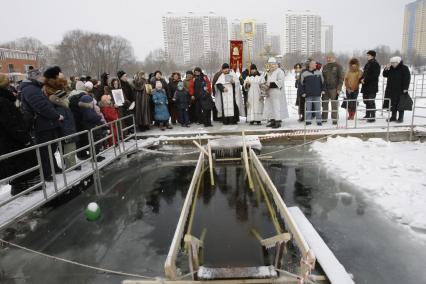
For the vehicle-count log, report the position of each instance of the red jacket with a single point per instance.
(110, 113)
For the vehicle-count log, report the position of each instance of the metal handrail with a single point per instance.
(356, 119)
(60, 187)
(414, 115)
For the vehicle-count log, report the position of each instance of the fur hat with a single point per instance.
(52, 72)
(86, 99)
(225, 66)
(120, 74)
(396, 59)
(33, 74)
(88, 85)
(372, 53)
(4, 81)
(79, 86)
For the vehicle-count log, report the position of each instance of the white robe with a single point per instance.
(276, 102)
(227, 99)
(254, 99)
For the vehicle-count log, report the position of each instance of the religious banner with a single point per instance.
(236, 55)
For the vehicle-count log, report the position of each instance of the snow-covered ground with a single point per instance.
(392, 175)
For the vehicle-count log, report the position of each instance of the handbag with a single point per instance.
(405, 103)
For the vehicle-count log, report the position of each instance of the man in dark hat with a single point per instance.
(370, 85)
(46, 119)
(225, 96)
(201, 85)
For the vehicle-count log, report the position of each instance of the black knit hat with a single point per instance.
(52, 72)
(198, 69)
(253, 67)
(120, 74)
(372, 53)
(225, 66)
(189, 72)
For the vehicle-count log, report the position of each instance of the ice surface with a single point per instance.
(392, 175)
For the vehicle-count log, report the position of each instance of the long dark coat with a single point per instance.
(398, 80)
(371, 77)
(14, 136)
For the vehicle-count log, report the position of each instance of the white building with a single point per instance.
(190, 37)
(327, 38)
(256, 46)
(301, 33)
(275, 42)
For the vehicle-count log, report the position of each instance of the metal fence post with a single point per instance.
(134, 128)
(412, 118)
(41, 172)
(52, 168)
(94, 162)
(61, 155)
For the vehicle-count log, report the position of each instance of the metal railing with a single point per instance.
(60, 183)
(356, 119)
(415, 115)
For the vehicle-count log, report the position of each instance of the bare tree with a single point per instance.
(90, 53)
(30, 44)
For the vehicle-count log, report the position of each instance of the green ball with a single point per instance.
(92, 211)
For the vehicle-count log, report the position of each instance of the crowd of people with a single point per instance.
(47, 105)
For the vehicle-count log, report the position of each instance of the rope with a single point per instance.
(77, 263)
(297, 146)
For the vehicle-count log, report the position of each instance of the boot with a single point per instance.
(400, 116)
(277, 124)
(162, 127)
(392, 118)
(372, 117)
(271, 123)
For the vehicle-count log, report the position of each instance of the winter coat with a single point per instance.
(34, 101)
(14, 136)
(398, 81)
(128, 93)
(62, 107)
(161, 111)
(188, 85)
(199, 83)
(182, 99)
(333, 76)
(312, 83)
(371, 77)
(89, 117)
(353, 79)
(110, 112)
(206, 101)
(163, 83)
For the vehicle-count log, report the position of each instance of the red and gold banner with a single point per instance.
(236, 54)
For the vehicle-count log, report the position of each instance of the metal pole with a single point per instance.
(304, 122)
(41, 171)
(412, 119)
(136, 137)
(61, 155)
(388, 120)
(52, 168)
(94, 162)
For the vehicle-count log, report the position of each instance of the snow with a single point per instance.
(334, 270)
(392, 175)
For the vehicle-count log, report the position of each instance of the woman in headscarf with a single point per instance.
(142, 98)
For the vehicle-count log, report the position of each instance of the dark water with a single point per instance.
(228, 213)
(141, 207)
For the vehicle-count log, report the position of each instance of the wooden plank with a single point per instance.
(210, 164)
(261, 272)
(201, 148)
(281, 206)
(246, 163)
(334, 270)
(170, 263)
(281, 279)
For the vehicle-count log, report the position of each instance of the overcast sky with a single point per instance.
(358, 25)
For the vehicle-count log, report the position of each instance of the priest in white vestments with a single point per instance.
(228, 98)
(255, 99)
(276, 108)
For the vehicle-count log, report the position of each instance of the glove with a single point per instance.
(303, 95)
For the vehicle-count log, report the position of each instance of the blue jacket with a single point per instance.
(89, 117)
(161, 111)
(33, 99)
(312, 83)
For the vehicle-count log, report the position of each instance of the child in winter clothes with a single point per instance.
(110, 113)
(352, 81)
(161, 111)
(90, 119)
(182, 103)
(207, 105)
